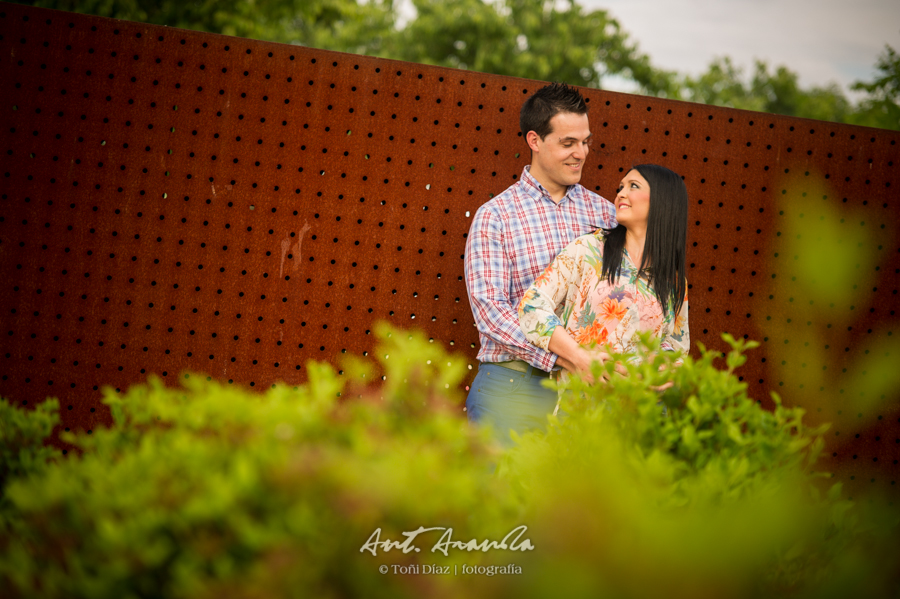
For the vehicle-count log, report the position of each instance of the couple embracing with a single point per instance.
(558, 276)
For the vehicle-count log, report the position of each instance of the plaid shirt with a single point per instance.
(511, 241)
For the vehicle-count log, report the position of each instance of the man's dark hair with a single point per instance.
(546, 103)
(664, 247)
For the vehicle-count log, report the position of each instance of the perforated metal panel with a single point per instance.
(174, 200)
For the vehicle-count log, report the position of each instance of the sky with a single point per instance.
(823, 41)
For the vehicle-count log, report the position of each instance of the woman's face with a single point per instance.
(633, 200)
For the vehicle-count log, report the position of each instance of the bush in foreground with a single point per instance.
(208, 490)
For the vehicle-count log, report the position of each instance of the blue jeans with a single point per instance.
(509, 400)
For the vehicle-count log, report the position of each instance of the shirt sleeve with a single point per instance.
(487, 282)
(679, 336)
(540, 306)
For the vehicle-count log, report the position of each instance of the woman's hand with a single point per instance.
(577, 359)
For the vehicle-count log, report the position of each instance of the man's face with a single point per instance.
(558, 159)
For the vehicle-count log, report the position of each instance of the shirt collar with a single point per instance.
(537, 191)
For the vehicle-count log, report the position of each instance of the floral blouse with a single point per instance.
(570, 293)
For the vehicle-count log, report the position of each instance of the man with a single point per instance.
(511, 241)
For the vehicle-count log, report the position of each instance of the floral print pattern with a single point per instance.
(571, 294)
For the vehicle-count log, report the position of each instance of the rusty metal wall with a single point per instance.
(173, 200)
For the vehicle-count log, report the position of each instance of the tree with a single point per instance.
(548, 40)
(882, 107)
(344, 25)
(775, 92)
(537, 39)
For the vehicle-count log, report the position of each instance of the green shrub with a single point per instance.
(207, 490)
(711, 427)
(712, 494)
(22, 435)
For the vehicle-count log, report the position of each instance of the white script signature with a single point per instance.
(512, 541)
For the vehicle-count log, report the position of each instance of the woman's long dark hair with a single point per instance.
(664, 246)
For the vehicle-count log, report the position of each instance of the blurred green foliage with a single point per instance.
(547, 40)
(22, 435)
(208, 490)
(827, 262)
(778, 92)
(351, 26)
(536, 39)
(717, 498)
(712, 429)
(881, 108)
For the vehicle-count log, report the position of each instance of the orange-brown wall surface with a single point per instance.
(173, 200)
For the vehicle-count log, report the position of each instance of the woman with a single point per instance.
(608, 285)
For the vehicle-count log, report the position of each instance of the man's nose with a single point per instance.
(580, 151)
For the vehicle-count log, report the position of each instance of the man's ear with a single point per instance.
(532, 138)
